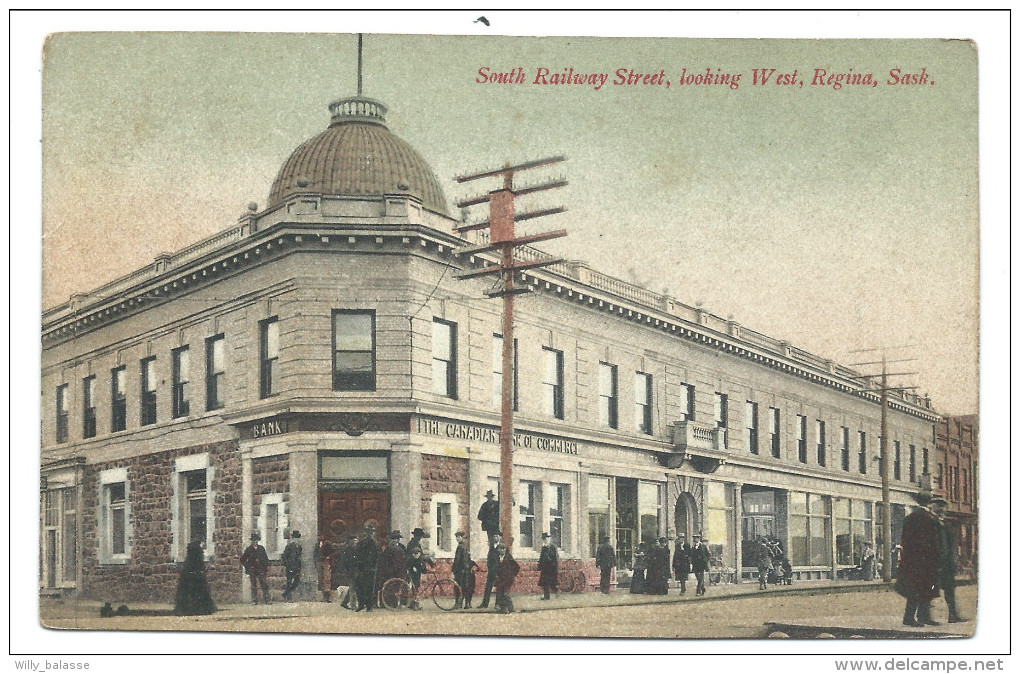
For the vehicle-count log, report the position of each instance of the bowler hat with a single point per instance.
(255, 536)
(459, 534)
(395, 534)
(663, 539)
(939, 499)
(418, 531)
(295, 534)
(489, 493)
(545, 535)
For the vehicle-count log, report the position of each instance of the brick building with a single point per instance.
(317, 366)
(956, 478)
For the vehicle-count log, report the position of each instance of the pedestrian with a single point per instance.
(366, 558)
(918, 578)
(763, 562)
(392, 560)
(343, 573)
(416, 543)
(605, 560)
(637, 580)
(325, 554)
(463, 572)
(507, 569)
(193, 596)
(700, 559)
(948, 561)
(255, 562)
(488, 515)
(491, 562)
(291, 559)
(682, 562)
(548, 567)
(868, 563)
(416, 566)
(658, 567)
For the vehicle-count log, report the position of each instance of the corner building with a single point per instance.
(317, 366)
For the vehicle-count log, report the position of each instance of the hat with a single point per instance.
(459, 534)
(681, 535)
(295, 534)
(938, 499)
(696, 536)
(605, 539)
(370, 525)
(663, 539)
(395, 534)
(489, 493)
(418, 531)
(255, 536)
(545, 535)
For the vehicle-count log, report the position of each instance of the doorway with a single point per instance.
(347, 511)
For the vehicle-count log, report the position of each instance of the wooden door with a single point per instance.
(346, 512)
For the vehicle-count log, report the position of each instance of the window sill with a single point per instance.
(119, 560)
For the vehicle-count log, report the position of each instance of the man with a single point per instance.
(292, 564)
(491, 562)
(658, 568)
(947, 555)
(605, 559)
(548, 567)
(415, 542)
(392, 560)
(325, 553)
(920, 565)
(344, 572)
(868, 563)
(682, 562)
(507, 569)
(255, 562)
(463, 572)
(488, 515)
(699, 562)
(764, 561)
(366, 557)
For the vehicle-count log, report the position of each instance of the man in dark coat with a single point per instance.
(463, 572)
(255, 562)
(325, 553)
(392, 560)
(658, 567)
(682, 562)
(193, 596)
(919, 565)
(366, 558)
(488, 515)
(548, 567)
(765, 558)
(700, 557)
(491, 562)
(292, 564)
(507, 569)
(947, 568)
(605, 560)
(344, 572)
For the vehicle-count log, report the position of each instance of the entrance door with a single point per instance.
(51, 558)
(346, 512)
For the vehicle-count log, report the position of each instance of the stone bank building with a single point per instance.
(317, 366)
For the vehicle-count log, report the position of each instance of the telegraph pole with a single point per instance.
(502, 238)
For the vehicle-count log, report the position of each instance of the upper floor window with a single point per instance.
(820, 428)
(751, 426)
(269, 357)
(354, 350)
(862, 454)
(802, 438)
(181, 378)
(552, 382)
(686, 402)
(118, 399)
(88, 405)
(643, 402)
(721, 412)
(924, 461)
(912, 464)
(844, 450)
(444, 358)
(608, 396)
(774, 431)
(528, 500)
(62, 413)
(896, 460)
(497, 372)
(215, 372)
(149, 391)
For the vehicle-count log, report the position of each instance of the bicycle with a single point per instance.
(396, 593)
(571, 580)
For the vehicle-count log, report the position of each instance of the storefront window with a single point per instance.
(648, 511)
(557, 499)
(720, 521)
(809, 530)
(598, 511)
(528, 501)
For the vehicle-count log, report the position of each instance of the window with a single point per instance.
(924, 461)
(269, 357)
(113, 517)
(721, 411)
(444, 358)
(649, 510)
(608, 394)
(844, 450)
(751, 426)
(552, 382)
(442, 516)
(149, 391)
(88, 390)
(820, 431)
(528, 501)
(966, 490)
(810, 526)
(69, 533)
(192, 504)
(272, 516)
(896, 460)
(938, 477)
(862, 454)
(353, 350)
(912, 464)
(686, 402)
(271, 522)
(118, 399)
(853, 523)
(497, 372)
(181, 378)
(61, 400)
(195, 506)
(444, 522)
(774, 431)
(557, 497)
(802, 438)
(59, 565)
(215, 372)
(719, 508)
(643, 402)
(598, 511)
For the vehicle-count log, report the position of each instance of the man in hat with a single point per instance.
(658, 567)
(415, 543)
(325, 558)
(682, 561)
(548, 567)
(488, 515)
(947, 567)
(491, 562)
(605, 560)
(392, 560)
(292, 564)
(255, 562)
(507, 569)
(700, 557)
(344, 572)
(366, 558)
(463, 572)
(920, 565)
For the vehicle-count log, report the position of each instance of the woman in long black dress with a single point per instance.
(637, 581)
(193, 597)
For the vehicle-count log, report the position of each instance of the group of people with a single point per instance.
(927, 563)
(501, 568)
(651, 573)
(773, 565)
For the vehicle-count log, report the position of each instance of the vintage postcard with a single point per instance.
(429, 334)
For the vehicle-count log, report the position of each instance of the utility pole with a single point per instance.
(502, 237)
(883, 453)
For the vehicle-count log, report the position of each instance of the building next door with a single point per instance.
(347, 511)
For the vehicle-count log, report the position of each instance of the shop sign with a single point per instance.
(263, 429)
(488, 435)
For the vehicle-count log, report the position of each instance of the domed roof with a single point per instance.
(357, 155)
